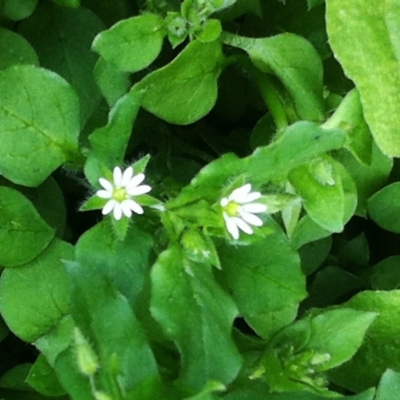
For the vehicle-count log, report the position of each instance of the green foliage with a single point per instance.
(199, 200)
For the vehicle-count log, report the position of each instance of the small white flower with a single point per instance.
(120, 192)
(239, 209)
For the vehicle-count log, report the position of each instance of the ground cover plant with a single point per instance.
(199, 199)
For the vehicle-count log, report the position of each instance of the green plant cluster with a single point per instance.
(295, 100)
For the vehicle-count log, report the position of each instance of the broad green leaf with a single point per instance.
(264, 277)
(307, 231)
(386, 274)
(364, 39)
(109, 142)
(14, 49)
(197, 315)
(112, 82)
(185, 89)
(368, 178)
(380, 349)
(338, 333)
(131, 44)
(39, 123)
(62, 38)
(389, 386)
(324, 197)
(35, 297)
(17, 9)
(300, 143)
(43, 378)
(295, 62)
(313, 254)
(108, 322)
(23, 234)
(125, 262)
(4, 331)
(384, 207)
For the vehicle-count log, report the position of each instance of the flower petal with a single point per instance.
(224, 202)
(104, 194)
(251, 219)
(139, 190)
(254, 208)
(132, 205)
(239, 193)
(243, 225)
(127, 176)
(231, 226)
(126, 210)
(117, 175)
(109, 207)
(118, 211)
(248, 198)
(135, 181)
(106, 184)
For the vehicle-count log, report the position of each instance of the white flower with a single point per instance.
(120, 192)
(238, 210)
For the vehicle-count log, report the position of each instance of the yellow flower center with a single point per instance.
(232, 209)
(120, 194)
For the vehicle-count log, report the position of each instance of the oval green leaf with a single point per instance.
(39, 123)
(23, 233)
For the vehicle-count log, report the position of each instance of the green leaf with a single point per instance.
(125, 262)
(211, 31)
(15, 378)
(109, 142)
(380, 350)
(307, 231)
(368, 178)
(264, 278)
(323, 201)
(62, 38)
(300, 143)
(131, 44)
(195, 313)
(295, 62)
(386, 274)
(45, 287)
(107, 320)
(375, 54)
(112, 82)
(14, 49)
(17, 9)
(185, 89)
(384, 207)
(23, 234)
(314, 3)
(389, 386)
(39, 123)
(43, 379)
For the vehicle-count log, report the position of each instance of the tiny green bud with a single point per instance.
(86, 357)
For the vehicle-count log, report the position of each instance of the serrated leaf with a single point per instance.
(131, 44)
(39, 123)
(374, 53)
(195, 313)
(185, 89)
